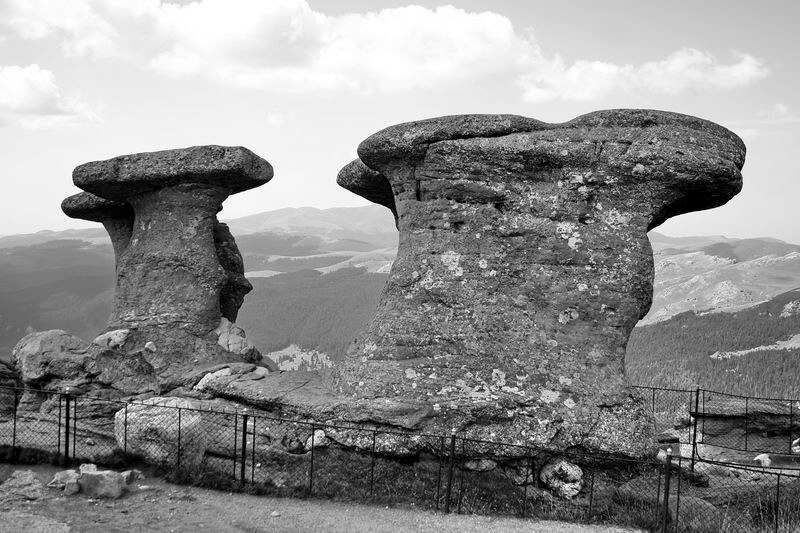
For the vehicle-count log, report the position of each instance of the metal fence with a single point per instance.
(713, 425)
(254, 451)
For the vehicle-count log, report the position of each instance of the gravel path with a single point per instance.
(154, 505)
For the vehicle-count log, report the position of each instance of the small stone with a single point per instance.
(150, 346)
(274, 514)
(62, 478)
(319, 440)
(563, 478)
(87, 467)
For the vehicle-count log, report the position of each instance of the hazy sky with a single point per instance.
(302, 82)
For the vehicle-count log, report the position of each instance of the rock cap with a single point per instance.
(370, 184)
(232, 167)
(87, 206)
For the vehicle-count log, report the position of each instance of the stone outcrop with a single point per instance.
(180, 275)
(151, 430)
(170, 273)
(524, 263)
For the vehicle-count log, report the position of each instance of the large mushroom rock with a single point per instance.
(524, 263)
(116, 217)
(170, 275)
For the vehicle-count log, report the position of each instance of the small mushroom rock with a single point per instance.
(116, 217)
(524, 264)
(179, 271)
(170, 275)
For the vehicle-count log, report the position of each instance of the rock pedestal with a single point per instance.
(180, 275)
(524, 264)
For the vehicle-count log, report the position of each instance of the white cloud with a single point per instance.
(284, 45)
(30, 97)
(684, 70)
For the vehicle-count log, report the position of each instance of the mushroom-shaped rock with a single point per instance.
(170, 275)
(359, 178)
(524, 264)
(116, 217)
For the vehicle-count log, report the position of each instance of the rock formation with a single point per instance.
(524, 263)
(170, 274)
(180, 276)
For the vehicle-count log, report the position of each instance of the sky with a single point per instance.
(302, 82)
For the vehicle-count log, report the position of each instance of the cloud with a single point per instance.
(30, 97)
(684, 70)
(285, 45)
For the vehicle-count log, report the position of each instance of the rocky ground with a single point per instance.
(151, 504)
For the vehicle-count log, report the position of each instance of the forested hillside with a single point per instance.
(314, 311)
(692, 349)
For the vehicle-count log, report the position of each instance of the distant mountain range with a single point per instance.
(317, 274)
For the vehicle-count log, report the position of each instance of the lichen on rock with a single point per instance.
(524, 253)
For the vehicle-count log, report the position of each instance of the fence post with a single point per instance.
(694, 428)
(746, 420)
(179, 436)
(58, 446)
(461, 475)
(372, 465)
(235, 440)
(667, 474)
(66, 427)
(449, 489)
(777, 503)
(253, 454)
(244, 448)
(791, 425)
(74, 424)
(311, 467)
(439, 476)
(14, 433)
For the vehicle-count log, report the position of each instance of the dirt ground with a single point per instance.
(155, 505)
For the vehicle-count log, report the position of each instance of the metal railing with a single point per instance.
(258, 452)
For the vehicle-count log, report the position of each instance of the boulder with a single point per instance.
(101, 484)
(233, 339)
(563, 478)
(21, 485)
(163, 431)
(524, 264)
(45, 355)
(67, 480)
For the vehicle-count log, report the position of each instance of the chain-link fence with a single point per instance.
(207, 444)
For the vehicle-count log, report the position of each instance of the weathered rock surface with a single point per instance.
(101, 484)
(179, 271)
(22, 485)
(116, 217)
(236, 286)
(524, 264)
(170, 274)
(162, 430)
(563, 478)
(57, 360)
(9, 380)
